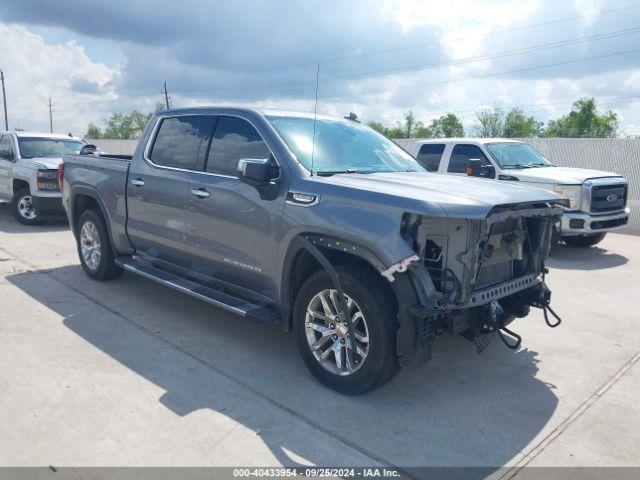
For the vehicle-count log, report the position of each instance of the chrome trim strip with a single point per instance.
(183, 289)
(156, 126)
(589, 183)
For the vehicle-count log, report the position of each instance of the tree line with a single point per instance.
(582, 121)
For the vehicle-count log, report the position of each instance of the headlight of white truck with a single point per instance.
(572, 192)
(47, 179)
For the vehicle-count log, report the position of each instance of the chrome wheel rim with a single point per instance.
(328, 337)
(26, 209)
(90, 245)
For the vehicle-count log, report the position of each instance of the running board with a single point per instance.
(220, 299)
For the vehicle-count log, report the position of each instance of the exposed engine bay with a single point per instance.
(484, 273)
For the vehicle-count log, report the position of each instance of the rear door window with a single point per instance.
(180, 141)
(430, 155)
(461, 155)
(233, 140)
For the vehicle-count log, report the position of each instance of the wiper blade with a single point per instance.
(328, 173)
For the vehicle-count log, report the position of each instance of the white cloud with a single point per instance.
(200, 73)
(35, 71)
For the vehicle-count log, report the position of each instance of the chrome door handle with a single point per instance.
(137, 182)
(200, 193)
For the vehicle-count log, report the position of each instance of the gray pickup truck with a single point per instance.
(322, 226)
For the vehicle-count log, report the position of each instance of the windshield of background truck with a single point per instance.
(517, 155)
(342, 146)
(32, 147)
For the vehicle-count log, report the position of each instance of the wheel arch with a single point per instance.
(82, 199)
(299, 264)
(19, 183)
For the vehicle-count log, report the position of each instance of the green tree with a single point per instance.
(396, 132)
(93, 132)
(517, 124)
(378, 127)
(410, 124)
(405, 129)
(584, 121)
(122, 126)
(490, 122)
(446, 126)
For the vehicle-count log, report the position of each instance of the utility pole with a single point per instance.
(50, 117)
(166, 95)
(4, 100)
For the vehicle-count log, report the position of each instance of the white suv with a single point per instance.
(29, 173)
(598, 200)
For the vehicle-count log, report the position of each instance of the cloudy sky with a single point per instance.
(377, 58)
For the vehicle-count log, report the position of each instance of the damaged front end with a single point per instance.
(475, 276)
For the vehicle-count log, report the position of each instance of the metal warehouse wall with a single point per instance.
(618, 155)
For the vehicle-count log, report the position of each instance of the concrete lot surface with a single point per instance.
(129, 373)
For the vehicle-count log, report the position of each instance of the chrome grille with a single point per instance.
(608, 198)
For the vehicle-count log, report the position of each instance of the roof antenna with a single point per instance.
(315, 118)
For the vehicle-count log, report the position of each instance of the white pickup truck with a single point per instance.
(598, 200)
(29, 173)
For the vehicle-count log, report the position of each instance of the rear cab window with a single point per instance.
(430, 155)
(461, 155)
(180, 141)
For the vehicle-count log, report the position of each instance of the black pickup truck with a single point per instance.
(320, 225)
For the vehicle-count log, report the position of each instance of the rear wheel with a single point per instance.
(94, 247)
(349, 365)
(583, 241)
(24, 208)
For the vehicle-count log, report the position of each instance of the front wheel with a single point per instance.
(24, 208)
(350, 365)
(583, 241)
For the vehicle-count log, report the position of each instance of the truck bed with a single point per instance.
(104, 178)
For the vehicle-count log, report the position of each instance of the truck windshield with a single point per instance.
(342, 147)
(31, 147)
(517, 155)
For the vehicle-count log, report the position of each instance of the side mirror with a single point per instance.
(89, 149)
(256, 172)
(261, 173)
(6, 154)
(476, 169)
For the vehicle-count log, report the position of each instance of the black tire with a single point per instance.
(18, 211)
(372, 297)
(583, 241)
(106, 269)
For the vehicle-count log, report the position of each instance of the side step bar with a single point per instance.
(223, 300)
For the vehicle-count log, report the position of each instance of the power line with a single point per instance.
(409, 47)
(501, 54)
(489, 75)
(494, 55)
